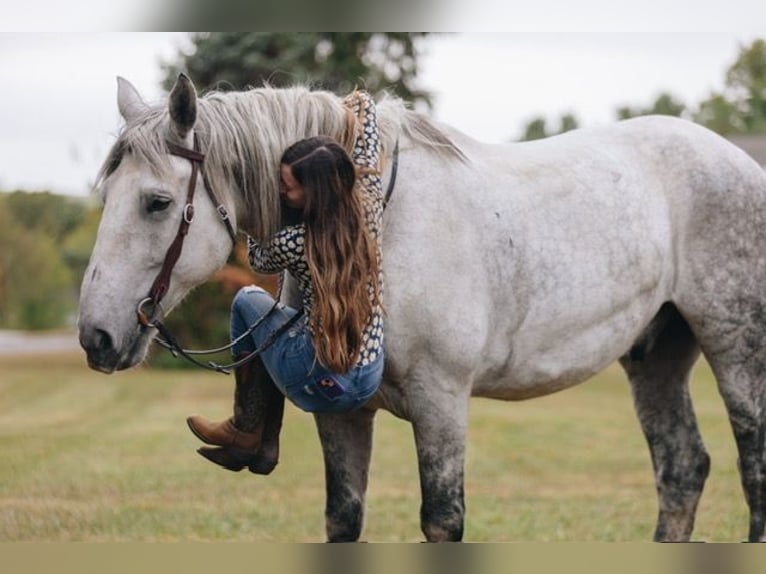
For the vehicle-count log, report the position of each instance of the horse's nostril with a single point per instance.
(102, 341)
(99, 347)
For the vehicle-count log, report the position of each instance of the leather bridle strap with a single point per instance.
(392, 177)
(161, 283)
(197, 158)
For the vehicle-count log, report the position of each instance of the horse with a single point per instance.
(511, 270)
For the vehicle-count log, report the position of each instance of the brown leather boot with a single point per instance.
(251, 437)
(224, 433)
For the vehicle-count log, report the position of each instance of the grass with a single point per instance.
(86, 457)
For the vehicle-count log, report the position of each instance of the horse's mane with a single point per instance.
(245, 133)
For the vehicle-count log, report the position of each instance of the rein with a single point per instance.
(161, 283)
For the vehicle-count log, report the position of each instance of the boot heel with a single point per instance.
(261, 465)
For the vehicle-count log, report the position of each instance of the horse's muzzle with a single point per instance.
(100, 350)
(104, 356)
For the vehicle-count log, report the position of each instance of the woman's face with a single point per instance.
(291, 191)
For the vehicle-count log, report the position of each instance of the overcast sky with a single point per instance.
(58, 112)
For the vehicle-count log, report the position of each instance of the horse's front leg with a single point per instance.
(440, 426)
(347, 445)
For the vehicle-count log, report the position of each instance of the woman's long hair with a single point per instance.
(341, 253)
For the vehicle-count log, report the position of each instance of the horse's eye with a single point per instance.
(156, 204)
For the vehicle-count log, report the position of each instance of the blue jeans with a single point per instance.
(291, 360)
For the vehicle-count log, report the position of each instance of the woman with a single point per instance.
(331, 360)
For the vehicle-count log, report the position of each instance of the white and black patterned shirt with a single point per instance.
(285, 250)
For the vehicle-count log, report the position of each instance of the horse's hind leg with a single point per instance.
(347, 445)
(659, 378)
(739, 364)
(745, 401)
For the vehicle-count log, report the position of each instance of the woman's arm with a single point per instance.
(366, 149)
(285, 247)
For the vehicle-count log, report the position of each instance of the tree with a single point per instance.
(746, 81)
(35, 285)
(568, 122)
(77, 246)
(720, 115)
(664, 104)
(537, 127)
(741, 107)
(335, 61)
(54, 215)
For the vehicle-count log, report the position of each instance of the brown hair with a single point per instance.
(341, 253)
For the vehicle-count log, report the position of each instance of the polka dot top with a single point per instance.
(285, 250)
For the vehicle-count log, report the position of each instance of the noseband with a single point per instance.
(161, 283)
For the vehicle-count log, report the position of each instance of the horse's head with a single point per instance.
(144, 190)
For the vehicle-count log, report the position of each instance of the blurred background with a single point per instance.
(59, 118)
(94, 458)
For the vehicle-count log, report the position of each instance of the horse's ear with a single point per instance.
(183, 106)
(129, 101)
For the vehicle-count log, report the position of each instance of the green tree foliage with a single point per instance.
(53, 215)
(568, 122)
(335, 61)
(45, 242)
(720, 115)
(741, 107)
(36, 287)
(76, 247)
(537, 127)
(665, 104)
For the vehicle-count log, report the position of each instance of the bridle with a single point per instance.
(161, 283)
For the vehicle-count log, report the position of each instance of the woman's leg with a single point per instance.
(316, 389)
(251, 436)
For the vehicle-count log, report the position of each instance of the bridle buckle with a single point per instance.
(188, 213)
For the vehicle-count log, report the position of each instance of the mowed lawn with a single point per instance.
(89, 457)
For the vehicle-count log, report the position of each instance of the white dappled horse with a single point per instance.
(512, 271)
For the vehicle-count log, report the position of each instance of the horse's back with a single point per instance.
(580, 236)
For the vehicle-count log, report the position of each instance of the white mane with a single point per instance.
(244, 134)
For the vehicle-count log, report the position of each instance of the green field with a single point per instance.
(89, 457)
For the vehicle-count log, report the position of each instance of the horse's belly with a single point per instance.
(540, 364)
(587, 301)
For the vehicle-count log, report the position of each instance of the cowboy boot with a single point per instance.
(266, 458)
(251, 437)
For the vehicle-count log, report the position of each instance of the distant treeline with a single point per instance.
(45, 243)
